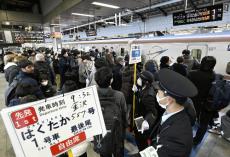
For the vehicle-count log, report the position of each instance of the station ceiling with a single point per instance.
(67, 20)
(20, 5)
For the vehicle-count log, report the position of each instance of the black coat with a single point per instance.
(29, 78)
(175, 136)
(146, 105)
(180, 68)
(117, 77)
(42, 67)
(203, 81)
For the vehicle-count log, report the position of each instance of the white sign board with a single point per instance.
(135, 54)
(8, 36)
(51, 127)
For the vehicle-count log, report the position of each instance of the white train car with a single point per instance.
(215, 44)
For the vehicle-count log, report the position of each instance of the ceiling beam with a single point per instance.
(125, 20)
(63, 6)
(162, 11)
(141, 16)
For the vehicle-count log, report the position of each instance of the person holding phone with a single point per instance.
(145, 112)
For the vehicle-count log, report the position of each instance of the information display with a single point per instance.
(206, 14)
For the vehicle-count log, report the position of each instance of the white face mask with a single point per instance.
(139, 82)
(161, 105)
(92, 58)
(44, 83)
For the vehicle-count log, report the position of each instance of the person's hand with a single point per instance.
(144, 126)
(134, 89)
(149, 152)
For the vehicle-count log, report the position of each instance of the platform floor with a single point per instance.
(212, 145)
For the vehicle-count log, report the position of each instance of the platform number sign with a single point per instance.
(135, 54)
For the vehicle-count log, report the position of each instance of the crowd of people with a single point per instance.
(170, 98)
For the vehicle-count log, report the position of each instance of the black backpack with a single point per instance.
(219, 94)
(111, 143)
(10, 91)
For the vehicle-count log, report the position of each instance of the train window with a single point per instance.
(228, 68)
(196, 53)
(122, 52)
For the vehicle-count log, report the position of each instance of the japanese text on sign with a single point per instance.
(51, 127)
(206, 14)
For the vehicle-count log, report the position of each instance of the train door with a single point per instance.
(198, 51)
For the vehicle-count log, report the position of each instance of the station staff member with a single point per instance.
(174, 137)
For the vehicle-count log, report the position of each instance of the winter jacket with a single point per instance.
(42, 67)
(180, 68)
(203, 81)
(11, 70)
(117, 77)
(146, 105)
(127, 84)
(29, 78)
(191, 63)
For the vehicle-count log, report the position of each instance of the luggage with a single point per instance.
(225, 125)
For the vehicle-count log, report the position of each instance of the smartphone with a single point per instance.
(138, 122)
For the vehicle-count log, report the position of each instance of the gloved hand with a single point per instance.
(144, 126)
(134, 89)
(149, 152)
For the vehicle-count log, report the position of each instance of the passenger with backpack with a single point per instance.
(114, 112)
(24, 93)
(203, 79)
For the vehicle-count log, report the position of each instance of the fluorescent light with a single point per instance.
(79, 14)
(106, 5)
(55, 24)
(7, 23)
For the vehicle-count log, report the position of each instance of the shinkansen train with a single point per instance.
(214, 44)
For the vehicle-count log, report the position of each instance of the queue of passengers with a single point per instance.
(169, 98)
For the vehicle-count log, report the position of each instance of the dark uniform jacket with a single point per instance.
(175, 136)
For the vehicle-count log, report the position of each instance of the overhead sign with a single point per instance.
(135, 54)
(206, 14)
(51, 127)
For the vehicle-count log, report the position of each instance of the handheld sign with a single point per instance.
(51, 127)
(135, 54)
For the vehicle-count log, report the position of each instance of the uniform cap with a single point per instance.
(176, 85)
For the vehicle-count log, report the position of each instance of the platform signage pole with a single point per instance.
(134, 58)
